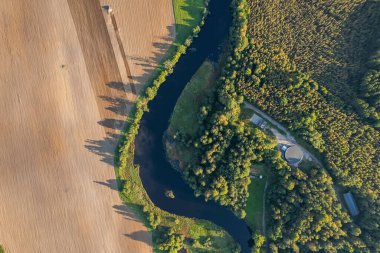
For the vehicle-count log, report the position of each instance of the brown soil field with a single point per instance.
(147, 45)
(64, 97)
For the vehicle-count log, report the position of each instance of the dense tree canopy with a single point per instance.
(331, 40)
(267, 77)
(225, 147)
(306, 214)
(369, 104)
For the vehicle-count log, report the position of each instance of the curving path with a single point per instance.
(288, 138)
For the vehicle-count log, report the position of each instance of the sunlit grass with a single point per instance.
(188, 14)
(186, 111)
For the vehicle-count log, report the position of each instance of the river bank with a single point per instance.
(156, 173)
(191, 233)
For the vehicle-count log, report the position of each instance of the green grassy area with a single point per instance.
(188, 15)
(186, 110)
(185, 114)
(2, 249)
(255, 208)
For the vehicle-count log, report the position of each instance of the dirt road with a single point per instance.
(285, 139)
(62, 103)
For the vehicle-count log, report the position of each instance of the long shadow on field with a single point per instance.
(149, 64)
(104, 148)
(114, 106)
(117, 105)
(142, 236)
(110, 183)
(123, 210)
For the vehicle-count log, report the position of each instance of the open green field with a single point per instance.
(255, 203)
(2, 249)
(185, 113)
(254, 207)
(188, 15)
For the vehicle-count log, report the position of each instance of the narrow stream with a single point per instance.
(155, 171)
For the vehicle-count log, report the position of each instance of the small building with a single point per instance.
(351, 204)
(284, 148)
(257, 120)
(293, 155)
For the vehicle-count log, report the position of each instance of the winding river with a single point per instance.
(156, 172)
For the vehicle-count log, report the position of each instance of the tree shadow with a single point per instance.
(142, 236)
(118, 86)
(113, 101)
(115, 124)
(161, 46)
(190, 7)
(110, 183)
(105, 148)
(125, 211)
(117, 105)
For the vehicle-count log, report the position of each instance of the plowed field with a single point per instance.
(63, 100)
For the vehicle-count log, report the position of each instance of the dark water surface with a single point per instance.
(156, 172)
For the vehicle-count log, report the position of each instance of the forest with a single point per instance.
(305, 213)
(369, 101)
(313, 93)
(269, 78)
(224, 148)
(331, 40)
(314, 67)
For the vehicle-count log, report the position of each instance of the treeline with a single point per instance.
(305, 214)
(369, 104)
(267, 78)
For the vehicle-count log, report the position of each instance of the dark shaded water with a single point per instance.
(156, 172)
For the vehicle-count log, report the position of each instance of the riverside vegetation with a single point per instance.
(304, 211)
(170, 232)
